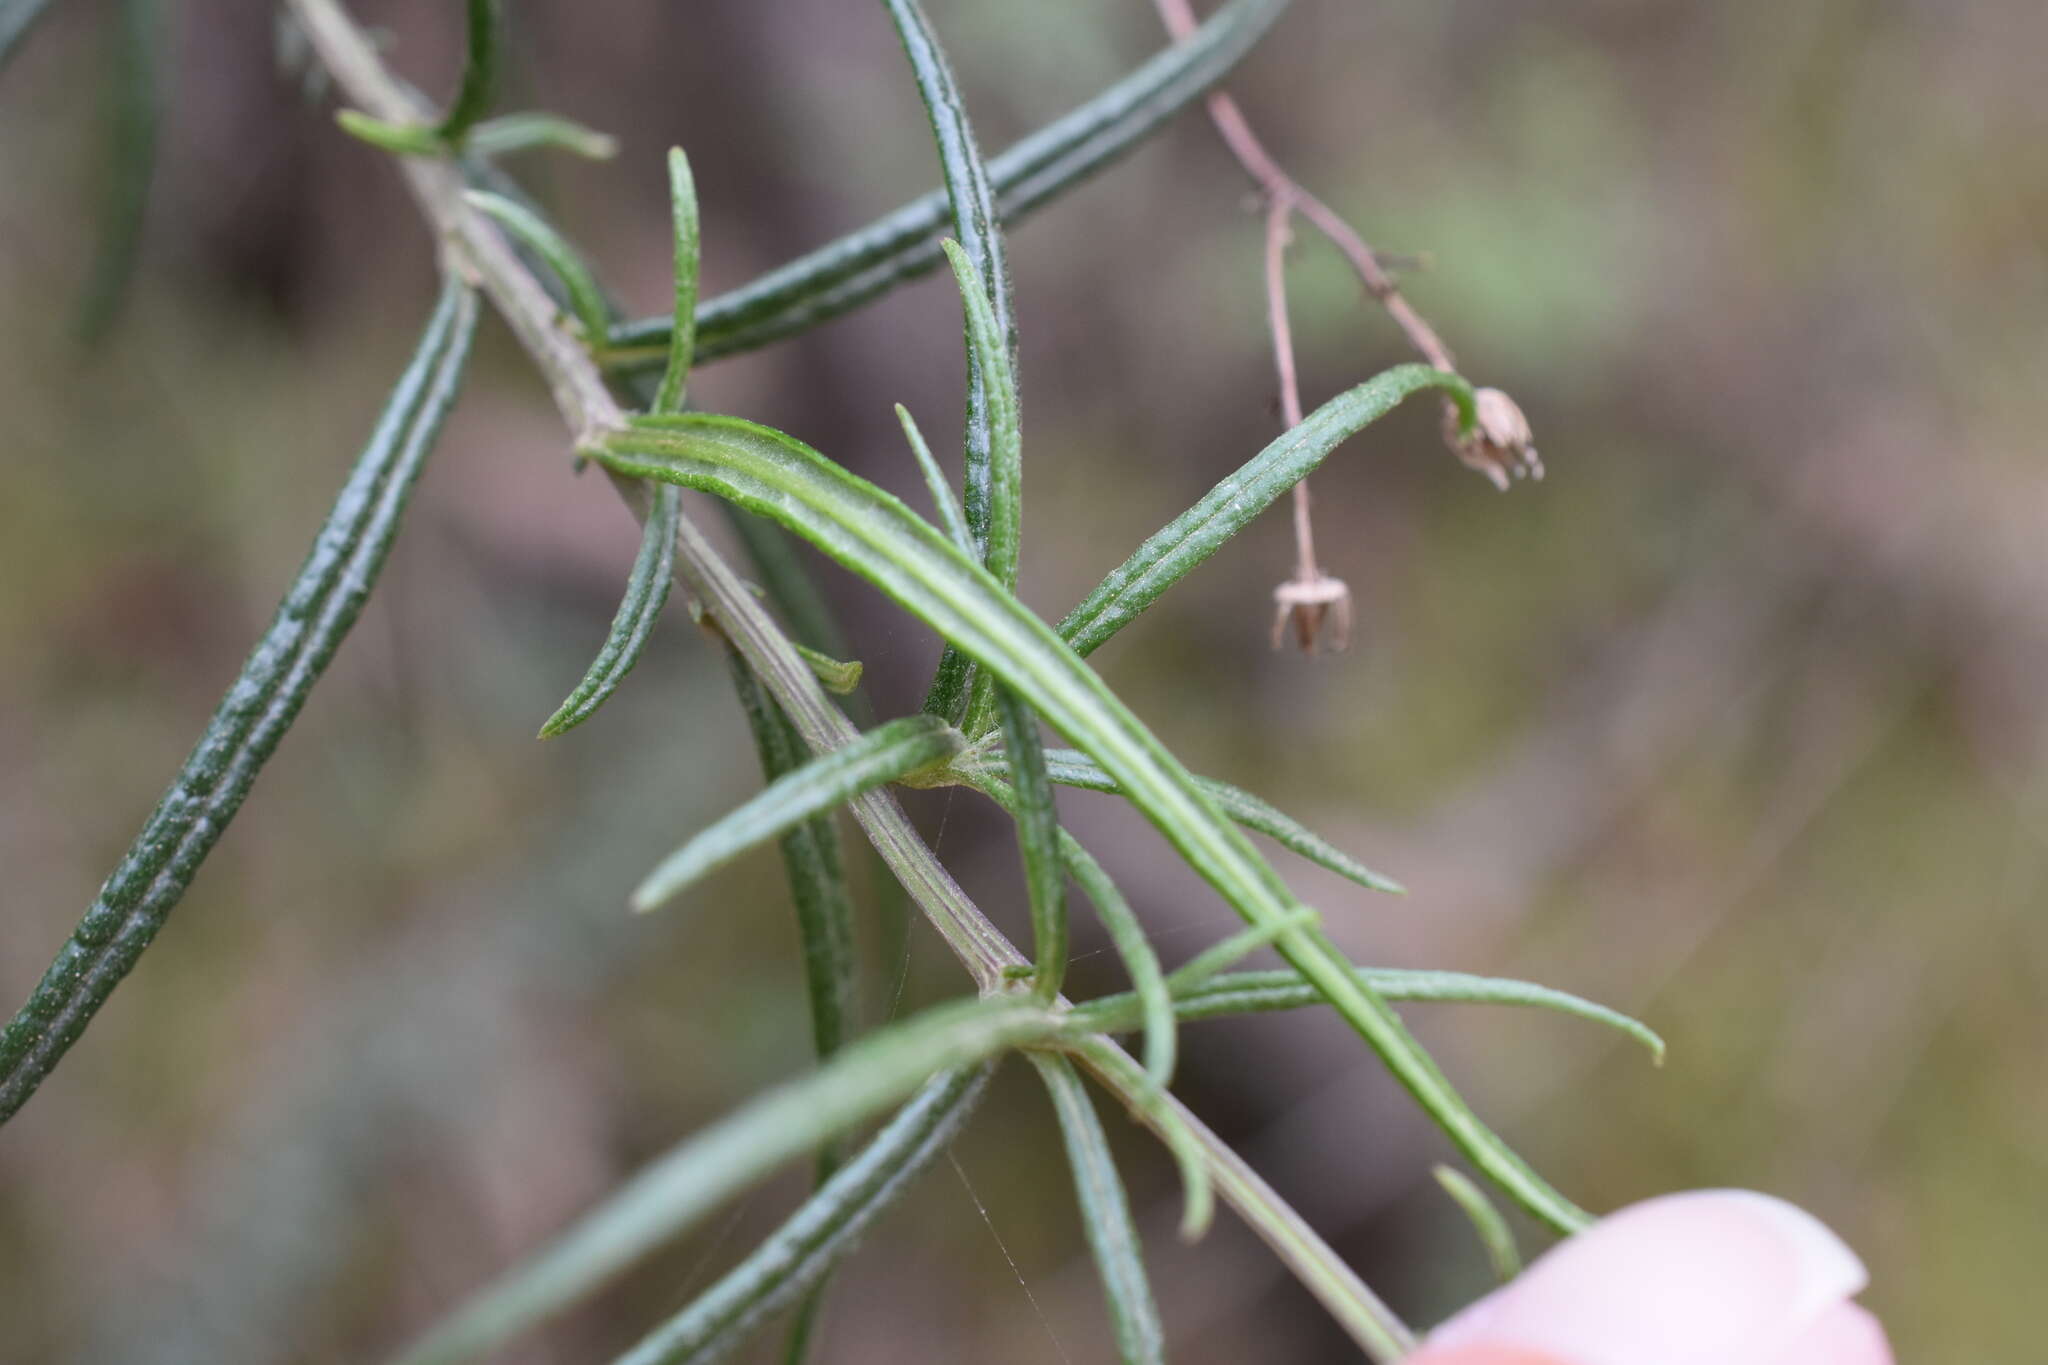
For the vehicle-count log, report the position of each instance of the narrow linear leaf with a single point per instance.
(1383, 1337)
(646, 593)
(479, 75)
(903, 245)
(912, 562)
(991, 342)
(1199, 532)
(535, 233)
(672, 1193)
(1493, 1230)
(817, 877)
(136, 76)
(798, 1254)
(1217, 957)
(816, 872)
(509, 134)
(1105, 1215)
(1038, 831)
(682, 337)
(1156, 1109)
(943, 502)
(1261, 992)
(316, 613)
(840, 676)
(884, 754)
(1071, 768)
(402, 139)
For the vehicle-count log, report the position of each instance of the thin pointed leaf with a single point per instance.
(646, 593)
(839, 676)
(672, 1193)
(1105, 1215)
(509, 134)
(816, 873)
(1071, 768)
(1199, 532)
(1157, 1109)
(1321, 1270)
(1493, 1230)
(404, 139)
(479, 77)
(1261, 992)
(1218, 957)
(1038, 831)
(884, 754)
(978, 264)
(316, 613)
(135, 96)
(798, 1254)
(903, 245)
(535, 233)
(943, 502)
(682, 337)
(912, 562)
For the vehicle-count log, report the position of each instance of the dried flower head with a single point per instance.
(1499, 444)
(1310, 603)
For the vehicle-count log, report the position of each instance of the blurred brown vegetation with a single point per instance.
(1736, 722)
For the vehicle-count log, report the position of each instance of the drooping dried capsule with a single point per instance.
(1309, 604)
(1499, 445)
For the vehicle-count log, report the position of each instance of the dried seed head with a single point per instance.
(1499, 444)
(1309, 604)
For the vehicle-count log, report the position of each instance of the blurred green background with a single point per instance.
(1736, 722)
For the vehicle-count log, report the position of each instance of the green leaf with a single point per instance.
(672, 1193)
(1261, 992)
(943, 501)
(646, 593)
(1198, 533)
(992, 410)
(913, 563)
(1159, 1113)
(316, 613)
(479, 79)
(682, 337)
(136, 74)
(840, 676)
(586, 300)
(1105, 1215)
(1217, 957)
(512, 133)
(1493, 1230)
(1070, 768)
(798, 1254)
(903, 245)
(884, 754)
(404, 139)
(1038, 831)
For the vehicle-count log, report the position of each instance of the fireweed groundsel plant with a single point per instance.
(621, 387)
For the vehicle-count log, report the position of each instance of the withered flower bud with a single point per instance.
(1309, 603)
(1498, 445)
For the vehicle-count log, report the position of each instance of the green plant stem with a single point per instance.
(588, 410)
(316, 613)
